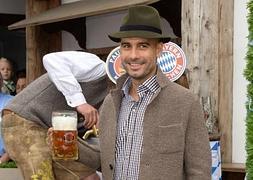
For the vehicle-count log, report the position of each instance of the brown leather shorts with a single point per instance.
(25, 141)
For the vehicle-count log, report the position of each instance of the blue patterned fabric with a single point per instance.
(216, 160)
(4, 99)
(167, 62)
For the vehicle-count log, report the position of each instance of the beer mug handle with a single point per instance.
(93, 131)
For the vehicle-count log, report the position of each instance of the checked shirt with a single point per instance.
(130, 129)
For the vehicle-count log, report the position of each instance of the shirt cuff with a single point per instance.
(75, 100)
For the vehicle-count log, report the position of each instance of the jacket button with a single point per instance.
(111, 167)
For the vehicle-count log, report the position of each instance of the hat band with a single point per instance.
(140, 28)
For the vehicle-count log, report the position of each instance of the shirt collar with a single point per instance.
(150, 85)
(8, 82)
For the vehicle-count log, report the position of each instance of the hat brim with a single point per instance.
(116, 37)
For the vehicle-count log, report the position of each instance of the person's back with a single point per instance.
(41, 97)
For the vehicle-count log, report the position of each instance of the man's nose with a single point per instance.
(133, 53)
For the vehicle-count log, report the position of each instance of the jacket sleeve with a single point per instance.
(197, 148)
(89, 152)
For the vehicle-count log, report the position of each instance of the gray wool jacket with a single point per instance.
(175, 139)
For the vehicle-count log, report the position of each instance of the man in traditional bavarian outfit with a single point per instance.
(75, 81)
(150, 128)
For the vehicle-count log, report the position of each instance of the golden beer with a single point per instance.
(65, 145)
(64, 136)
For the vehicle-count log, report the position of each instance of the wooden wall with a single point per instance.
(38, 41)
(207, 39)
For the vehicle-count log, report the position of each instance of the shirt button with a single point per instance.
(111, 167)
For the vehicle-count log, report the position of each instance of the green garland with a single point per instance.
(10, 164)
(248, 73)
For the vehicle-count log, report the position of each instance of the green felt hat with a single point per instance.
(141, 21)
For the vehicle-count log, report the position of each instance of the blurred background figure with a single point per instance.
(4, 99)
(6, 70)
(21, 80)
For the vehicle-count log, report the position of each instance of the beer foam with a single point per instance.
(64, 123)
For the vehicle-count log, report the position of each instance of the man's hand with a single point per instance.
(49, 139)
(90, 114)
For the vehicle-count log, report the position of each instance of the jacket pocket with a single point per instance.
(170, 139)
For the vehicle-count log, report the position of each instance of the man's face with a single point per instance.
(5, 70)
(138, 57)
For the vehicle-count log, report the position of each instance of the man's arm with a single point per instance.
(197, 149)
(66, 69)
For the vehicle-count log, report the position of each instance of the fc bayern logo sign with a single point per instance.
(172, 62)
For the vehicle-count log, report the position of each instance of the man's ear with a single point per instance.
(159, 48)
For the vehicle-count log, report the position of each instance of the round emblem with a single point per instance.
(172, 62)
(69, 137)
(114, 68)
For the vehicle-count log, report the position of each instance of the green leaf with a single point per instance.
(10, 164)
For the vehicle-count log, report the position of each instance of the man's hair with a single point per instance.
(20, 74)
(2, 59)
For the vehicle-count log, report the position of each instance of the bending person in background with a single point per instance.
(75, 81)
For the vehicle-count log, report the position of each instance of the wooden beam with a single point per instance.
(233, 167)
(190, 41)
(225, 103)
(39, 42)
(207, 42)
(82, 8)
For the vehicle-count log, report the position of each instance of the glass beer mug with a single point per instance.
(64, 136)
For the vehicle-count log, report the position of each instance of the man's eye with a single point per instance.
(143, 46)
(125, 46)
